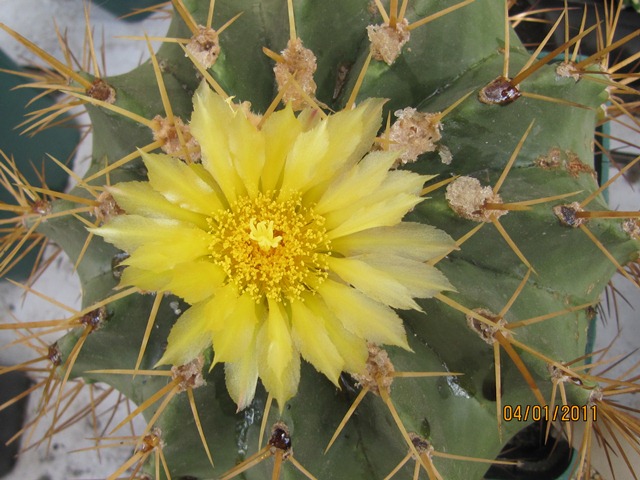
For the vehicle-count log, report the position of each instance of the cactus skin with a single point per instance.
(443, 61)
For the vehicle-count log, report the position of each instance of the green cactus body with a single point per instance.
(445, 61)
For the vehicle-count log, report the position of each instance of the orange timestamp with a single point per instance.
(562, 413)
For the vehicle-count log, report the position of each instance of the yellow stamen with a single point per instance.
(277, 258)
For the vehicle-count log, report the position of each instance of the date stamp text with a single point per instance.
(561, 413)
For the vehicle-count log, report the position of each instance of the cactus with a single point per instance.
(483, 144)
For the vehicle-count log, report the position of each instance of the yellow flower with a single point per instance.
(286, 241)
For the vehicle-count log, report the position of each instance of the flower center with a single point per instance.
(270, 248)
(263, 234)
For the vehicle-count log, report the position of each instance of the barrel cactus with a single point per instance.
(337, 239)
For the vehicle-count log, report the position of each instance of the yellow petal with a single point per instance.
(312, 341)
(223, 304)
(138, 198)
(192, 333)
(231, 342)
(363, 316)
(144, 279)
(189, 336)
(374, 283)
(283, 383)
(309, 118)
(180, 184)
(352, 133)
(279, 345)
(206, 177)
(352, 349)
(164, 253)
(304, 162)
(195, 281)
(280, 130)
(361, 179)
(420, 279)
(385, 207)
(128, 232)
(412, 240)
(278, 362)
(210, 123)
(242, 377)
(391, 279)
(332, 146)
(247, 148)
